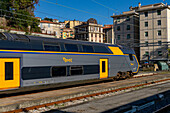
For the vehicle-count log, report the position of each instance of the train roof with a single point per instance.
(28, 38)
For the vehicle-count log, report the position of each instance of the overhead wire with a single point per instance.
(50, 14)
(105, 6)
(75, 9)
(83, 11)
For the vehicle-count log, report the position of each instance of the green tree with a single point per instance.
(48, 19)
(19, 13)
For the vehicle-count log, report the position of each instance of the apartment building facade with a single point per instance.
(89, 31)
(67, 33)
(50, 28)
(71, 24)
(126, 30)
(154, 31)
(108, 34)
(62, 25)
(153, 34)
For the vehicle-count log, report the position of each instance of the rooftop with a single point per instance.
(135, 10)
(107, 26)
(128, 13)
(45, 21)
(147, 6)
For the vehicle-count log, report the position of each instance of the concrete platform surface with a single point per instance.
(106, 105)
(27, 100)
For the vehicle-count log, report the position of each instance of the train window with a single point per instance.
(59, 71)
(101, 49)
(91, 69)
(2, 37)
(8, 70)
(130, 57)
(87, 48)
(71, 47)
(36, 72)
(76, 70)
(51, 47)
(103, 66)
(22, 38)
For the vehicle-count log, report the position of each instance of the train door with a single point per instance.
(103, 68)
(9, 73)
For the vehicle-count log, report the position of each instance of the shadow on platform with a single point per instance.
(146, 105)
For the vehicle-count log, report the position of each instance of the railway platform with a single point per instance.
(36, 99)
(145, 100)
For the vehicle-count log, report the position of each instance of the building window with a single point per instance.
(128, 27)
(92, 28)
(118, 19)
(41, 26)
(95, 35)
(48, 25)
(118, 28)
(146, 14)
(146, 43)
(118, 37)
(160, 53)
(128, 36)
(146, 53)
(99, 29)
(159, 22)
(96, 29)
(92, 35)
(159, 43)
(146, 24)
(159, 33)
(146, 34)
(158, 12)
(127, 18)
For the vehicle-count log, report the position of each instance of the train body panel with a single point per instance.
(39, 65)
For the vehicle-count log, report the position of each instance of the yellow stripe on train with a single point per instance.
(116, 50)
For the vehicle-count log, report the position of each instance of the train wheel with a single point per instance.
(119, 75)
(124, 75)
(131, 75)
(128, 75)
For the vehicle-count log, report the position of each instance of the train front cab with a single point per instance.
(133, 62)
(9, 73)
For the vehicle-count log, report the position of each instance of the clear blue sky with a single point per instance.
(50, 10)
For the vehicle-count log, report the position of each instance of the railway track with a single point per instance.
(142, 84)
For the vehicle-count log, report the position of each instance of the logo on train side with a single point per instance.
(131, 64)
(67, 60)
